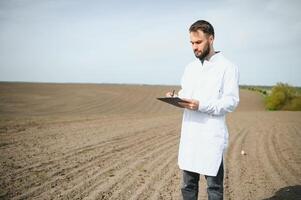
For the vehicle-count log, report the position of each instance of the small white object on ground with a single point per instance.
(243, 152)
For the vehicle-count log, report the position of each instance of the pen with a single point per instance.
(173, 93)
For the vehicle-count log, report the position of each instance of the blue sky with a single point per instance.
(145, 42)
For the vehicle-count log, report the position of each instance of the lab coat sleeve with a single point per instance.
(229, 98)
(180, 93)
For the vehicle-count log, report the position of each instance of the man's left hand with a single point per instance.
(191, 105)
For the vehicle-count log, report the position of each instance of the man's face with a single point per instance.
(201, 43)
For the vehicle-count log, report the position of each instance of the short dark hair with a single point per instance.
(202, 25)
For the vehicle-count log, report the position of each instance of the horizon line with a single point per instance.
(112, 83)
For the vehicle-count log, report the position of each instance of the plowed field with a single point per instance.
(89, 141)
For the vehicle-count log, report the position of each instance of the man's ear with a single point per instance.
(211, 39)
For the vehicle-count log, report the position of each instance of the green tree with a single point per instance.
(283, 97)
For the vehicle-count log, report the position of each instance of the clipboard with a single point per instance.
(173, 101)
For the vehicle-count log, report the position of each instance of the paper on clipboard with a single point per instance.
(173, 101)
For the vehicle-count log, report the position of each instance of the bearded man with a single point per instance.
(210, 85)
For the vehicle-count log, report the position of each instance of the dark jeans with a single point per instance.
(190, 187)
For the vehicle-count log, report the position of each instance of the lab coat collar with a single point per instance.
(213, 58)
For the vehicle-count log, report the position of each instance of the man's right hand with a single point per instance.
(170, 94)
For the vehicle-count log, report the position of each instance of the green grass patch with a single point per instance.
(264, 90)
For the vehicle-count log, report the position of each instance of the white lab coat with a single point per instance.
(204, 134)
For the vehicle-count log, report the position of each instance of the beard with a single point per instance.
(205, 53)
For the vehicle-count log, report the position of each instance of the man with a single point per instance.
(210, 85)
